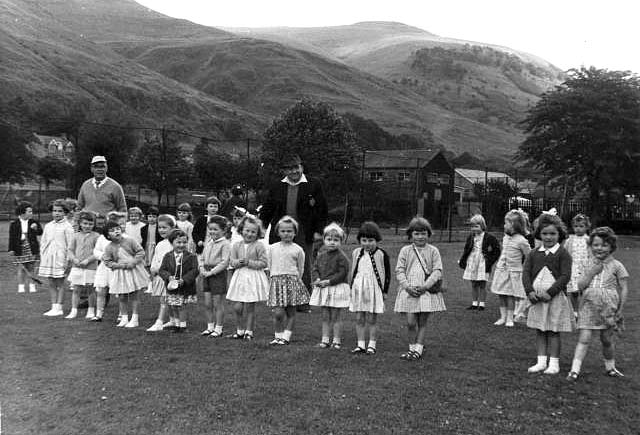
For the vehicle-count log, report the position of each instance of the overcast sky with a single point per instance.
(567, 33)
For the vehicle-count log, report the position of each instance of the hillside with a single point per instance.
(163, 70)
(491, 84)
(45, 65)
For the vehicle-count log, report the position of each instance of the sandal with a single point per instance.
(336, 346)
(615, 373)
(411, 355)
(248, 337)
(371, 350)
(236, 336)
(359, 350)
(207, 332)
(572, 377)
(283, 342)
(215, 334)
(323, 345)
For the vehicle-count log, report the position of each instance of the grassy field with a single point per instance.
(72, 377)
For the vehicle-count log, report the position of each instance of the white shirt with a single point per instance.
(97, 184)
(303, 179)
(24, 226)
(551, 250)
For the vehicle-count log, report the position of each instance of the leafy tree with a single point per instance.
(51, 168)
(160, 164)
(495, 198)
(15, 159)
(323, 140)
(587, 130)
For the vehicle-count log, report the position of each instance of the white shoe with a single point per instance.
(155, 327)
(500, 322)
(72, 314)
(32, 288)
(49, 313)
(57, 311)
(508, 323)
(133, 323)
(168, 324)
(123, 321)
(537, 368)
(90, 314)
(552, 370)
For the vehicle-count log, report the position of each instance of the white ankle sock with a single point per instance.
(481, 304)
(474, 303)
(325, 339)
(286, 335)
(183, 324)
(248, 332)
(609, 364)
(211, 326)
(239, 331)
(412, 346)
(20, 288)
(218, 329)
(361, 344)
(554, 365)
(372, 343)
(336, 340)
(418, 348)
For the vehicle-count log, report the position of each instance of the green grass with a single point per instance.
(71, 377)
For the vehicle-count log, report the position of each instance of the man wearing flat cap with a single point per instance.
(302, 198)
(101, 194)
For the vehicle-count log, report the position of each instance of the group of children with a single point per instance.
(553, 281)
(540, 275)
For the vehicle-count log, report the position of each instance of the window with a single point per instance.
(404, 176)
(376, 176)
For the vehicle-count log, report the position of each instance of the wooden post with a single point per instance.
(417, 187)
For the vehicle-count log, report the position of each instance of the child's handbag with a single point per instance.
(435, 288)
(175, 283)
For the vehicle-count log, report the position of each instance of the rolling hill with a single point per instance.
(165, 70)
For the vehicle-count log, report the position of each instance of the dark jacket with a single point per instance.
(189, 272)
(144, 233)
(311, 208)
(559, 264)
(490, 251)
(15, 236)
(199, 232)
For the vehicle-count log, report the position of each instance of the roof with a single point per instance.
(478, 176)
(46, 140)
(399, 158)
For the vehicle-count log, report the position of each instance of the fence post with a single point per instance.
(417, 184)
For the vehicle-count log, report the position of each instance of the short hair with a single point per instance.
(100, 216)
(174, 234)
(581, 218)
(72, 204)
(478, 219)
(185, 206)
(59, 203)
(109, 226)
(213, 200)
(168, 219)
(545, 220)
(135, 210)
(87, 216)
(287, 220)
(333, 229)
(607, 235)
(153, 210)
(419, 223)
(115, 216)
(222, 222)
(252, 220)
(369, 230)
(22, 207)
(519, 221)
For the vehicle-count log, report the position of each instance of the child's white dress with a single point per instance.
(56, 238)
(410, 273)
(101, 279)
(507, 278)
(579, 250)
(476, 269)
(366, 293)
(249, 283)
(158, 287)
(125, 281)
(555, 315)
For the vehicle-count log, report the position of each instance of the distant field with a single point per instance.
(72, 377)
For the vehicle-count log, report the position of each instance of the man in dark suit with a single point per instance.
(302, 198)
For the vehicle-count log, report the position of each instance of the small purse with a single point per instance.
(174, 283)
(435, 288)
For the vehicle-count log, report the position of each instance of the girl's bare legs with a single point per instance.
(124, 314)
(250, 308)
(218, 302)
(326, 325)
(361, 319)
(208, 312)
(335, 316)
(278, 319)
(474, 293)
(482, 293)
(100, 302)
(584, 339)
(541, 352)
(75, 299)
(290, 313)
(22, 279)
(412, 338)
(238, 308)
(373, 329)
(503, 310)
(608, 352)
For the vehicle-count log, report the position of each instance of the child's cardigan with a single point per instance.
(190, 272)
(559, 264)
(15, 236)
(490, 251)
(256, 254)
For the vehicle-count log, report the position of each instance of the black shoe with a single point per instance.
(172, 328)
(472, 307)
(480, 308)
(303, 308)
(179, 329)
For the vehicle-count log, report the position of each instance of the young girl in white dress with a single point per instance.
(577, 245)
(370, 275)
(419, 274)
(286, 289)
(545, 275)
(330, 277)
(134, 225)
(101, 278)
(507, 277)
(184, 223)
(605, 290)
(249, 283)
(125, 257)
(84, 264)
(54, 260)
(166, 223)
(481, 251)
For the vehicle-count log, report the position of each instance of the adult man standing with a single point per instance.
(302, 198)
(101, 194)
